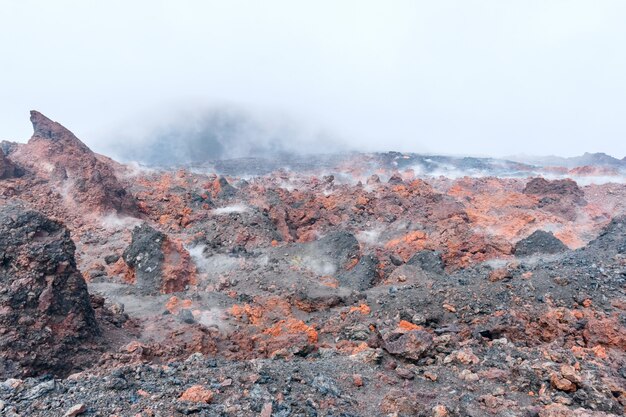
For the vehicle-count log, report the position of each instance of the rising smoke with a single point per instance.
(220, 132)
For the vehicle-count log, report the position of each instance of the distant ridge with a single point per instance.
(592, 159)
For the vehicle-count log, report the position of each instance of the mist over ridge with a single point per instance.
(217, 133)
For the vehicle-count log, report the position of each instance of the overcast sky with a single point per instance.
(491, 77)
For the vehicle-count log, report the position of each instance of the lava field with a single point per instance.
(354, 284)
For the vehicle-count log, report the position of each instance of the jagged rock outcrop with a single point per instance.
(45, 312)
(565, 188)
(56, 154)
(8, 146)
(223, 188)
(540, 242)
(560, 197)
(157, 263)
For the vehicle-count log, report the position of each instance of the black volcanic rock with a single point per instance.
(45, 311)
(539, 242)
(145, 256)
(612, 237)
(428, 260)
(340, 248)
(363, 276)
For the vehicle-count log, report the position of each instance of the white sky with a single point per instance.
(490, 77)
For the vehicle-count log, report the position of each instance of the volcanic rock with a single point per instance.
(7, 168)
(341, 249)
(612, 236)
(8, 147)
(224, 189)
(236, 229)
(318, 297)
(429, 261)
(362, 276)
(540, 242)
(410, 345)
(373, 179)
(395, 179)
(565, 187)
(157, 263)
(45, 312)
(56, 154)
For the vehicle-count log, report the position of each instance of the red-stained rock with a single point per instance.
(86, 182)
(198, 394)
(411, 344)
(566, 187)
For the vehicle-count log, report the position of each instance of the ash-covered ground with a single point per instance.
(336, 285)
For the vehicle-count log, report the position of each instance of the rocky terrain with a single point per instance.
(331, 285)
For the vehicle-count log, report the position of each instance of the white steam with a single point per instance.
(235, 208)
(369, 237)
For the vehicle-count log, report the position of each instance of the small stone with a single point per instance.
(410, 345)
(468, 375)
(440, 411)
(562, 384)
(405, 373)
(12, 383)
(111, 259)
(568, 372)
(396, 260)
(499, 274)
(186, 316)
(75, 410)
(198, 394)
(267, 410)
(358, 380)
(490, 401)
(449, 307)
(467, 357)
(430, 375)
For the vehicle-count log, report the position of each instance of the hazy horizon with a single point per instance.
(485, 78)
